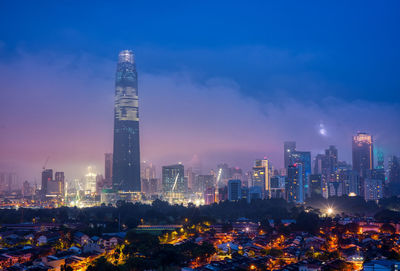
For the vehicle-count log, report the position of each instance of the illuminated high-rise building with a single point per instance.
(363, 155)
(173, 179)
(59, 178)
(288, 148)
(294, 187)
(303, 158)
(261, 176)
(90, 182)
(373, 189)
(126, 154)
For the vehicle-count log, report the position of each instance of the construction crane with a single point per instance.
(45, 163)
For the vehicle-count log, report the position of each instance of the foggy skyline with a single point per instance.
(235, 100)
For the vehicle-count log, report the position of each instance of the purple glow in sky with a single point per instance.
(62, 106)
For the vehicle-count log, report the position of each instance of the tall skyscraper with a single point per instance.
(294, 187)
(363, 155)
(332, 158)
(303, 158)
(126, 154)
(261, 176)
(288, 148)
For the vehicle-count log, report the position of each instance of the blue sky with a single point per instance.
(312, 62)
(351, 46)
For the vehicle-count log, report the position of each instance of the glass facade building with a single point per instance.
(126, 152)
(173, 179)
(363, 155)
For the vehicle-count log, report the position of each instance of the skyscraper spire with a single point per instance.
(126, 154)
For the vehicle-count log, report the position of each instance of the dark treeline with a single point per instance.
(129, 215)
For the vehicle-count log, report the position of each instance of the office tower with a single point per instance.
(277, 186)
(237, 174)
(191, 177)
(173, 179)
(349, 181)
(288, 148)
(90, 183)
(202, 182)
(332, 158)
(315, 185)
(325, 165)
(394, 170)
(60, 179)
(100, 183)
(209, 196)
(149, 186)
(147, 170)
(363, 156)
(126, 154)
(147, 173)
(373, 189)
(234, 190)
(319, 163)
(108, 165)
(261, 176)
(303, 158)
(47, 176)
(294, 187)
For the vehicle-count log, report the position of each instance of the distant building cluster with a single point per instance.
(127, 178)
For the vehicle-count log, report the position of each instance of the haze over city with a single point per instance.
(199, 135)
(222, 86)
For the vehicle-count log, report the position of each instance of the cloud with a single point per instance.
(215, 118)
(62, 106)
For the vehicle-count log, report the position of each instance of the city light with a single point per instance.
(329, 211)
(327, 196)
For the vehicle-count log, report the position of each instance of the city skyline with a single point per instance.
(214, 105)
(184, 135)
